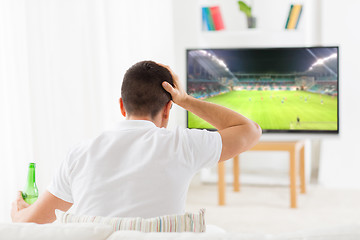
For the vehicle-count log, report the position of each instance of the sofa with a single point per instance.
(92, 231)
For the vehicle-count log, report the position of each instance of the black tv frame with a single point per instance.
(330, 132)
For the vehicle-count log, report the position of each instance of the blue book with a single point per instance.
(205, 26)
(208, 18)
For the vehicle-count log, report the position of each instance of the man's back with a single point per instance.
(135, 170)
(141, 169)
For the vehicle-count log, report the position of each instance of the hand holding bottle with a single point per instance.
(30, 193)
(26, 197)
(18, 205)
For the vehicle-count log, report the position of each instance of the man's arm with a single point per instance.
(238, 133)
(42, 211)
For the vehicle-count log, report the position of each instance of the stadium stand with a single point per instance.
(209, 76)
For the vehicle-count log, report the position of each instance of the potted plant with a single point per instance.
(251, 20)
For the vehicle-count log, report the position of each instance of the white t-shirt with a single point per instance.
(135, 170)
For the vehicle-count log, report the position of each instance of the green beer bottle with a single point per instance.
(30, 193)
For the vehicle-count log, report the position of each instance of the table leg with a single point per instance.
(221, 183)
(236, 174)
(302, 171)
(292, 178)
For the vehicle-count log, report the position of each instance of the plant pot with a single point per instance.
(251, 21)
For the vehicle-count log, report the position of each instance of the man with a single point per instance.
(140, 169)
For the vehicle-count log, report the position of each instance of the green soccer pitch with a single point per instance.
(278, 110)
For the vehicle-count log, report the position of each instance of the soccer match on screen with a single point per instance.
(282, 89)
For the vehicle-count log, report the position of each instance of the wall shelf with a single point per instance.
(253, 38)
(270, 31)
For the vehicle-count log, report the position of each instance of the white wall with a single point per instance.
(340, 158)
(61, 67)
(78, 53)
(185, 36)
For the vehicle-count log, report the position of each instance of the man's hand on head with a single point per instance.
(178, 94)
(238, 133)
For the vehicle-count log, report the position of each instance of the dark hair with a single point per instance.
(141, 90)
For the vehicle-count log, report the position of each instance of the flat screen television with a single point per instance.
(282, 89)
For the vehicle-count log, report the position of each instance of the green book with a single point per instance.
(209, 19)
(287, 21)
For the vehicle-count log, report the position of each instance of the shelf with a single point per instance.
(252, 38)
(252, 31)
(270, 30)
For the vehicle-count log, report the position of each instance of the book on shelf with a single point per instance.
(212, 19)
(293, 19)
(217, 18)
(208, 19)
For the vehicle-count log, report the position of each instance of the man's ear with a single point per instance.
(122, 108)
(167, 108)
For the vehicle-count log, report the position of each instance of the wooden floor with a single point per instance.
(266, 209)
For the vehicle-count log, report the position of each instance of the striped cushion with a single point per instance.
(189, 222)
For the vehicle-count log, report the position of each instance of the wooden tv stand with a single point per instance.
(296, 151)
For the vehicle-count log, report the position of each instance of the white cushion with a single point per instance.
(54, 231)
(214, 229)
(351, 232)
(135, 235)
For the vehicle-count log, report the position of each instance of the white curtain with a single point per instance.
(61, 66)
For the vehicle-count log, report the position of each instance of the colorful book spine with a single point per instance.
(298, 19)
(294, 16)
(217, 18)
(209, 19)
(287, 21)
(205, 24)
(212, 19)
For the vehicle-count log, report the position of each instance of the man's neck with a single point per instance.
(156, 120)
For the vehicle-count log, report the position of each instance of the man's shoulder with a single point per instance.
(204, 132)
(111, 136)
(194, 136)
(81, 146)
(181, 131)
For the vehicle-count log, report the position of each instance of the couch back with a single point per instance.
(85, 231)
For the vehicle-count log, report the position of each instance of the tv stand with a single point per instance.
(296, 153)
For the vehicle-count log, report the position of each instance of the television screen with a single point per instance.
(282, 89)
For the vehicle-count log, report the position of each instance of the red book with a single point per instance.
(217, 18)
